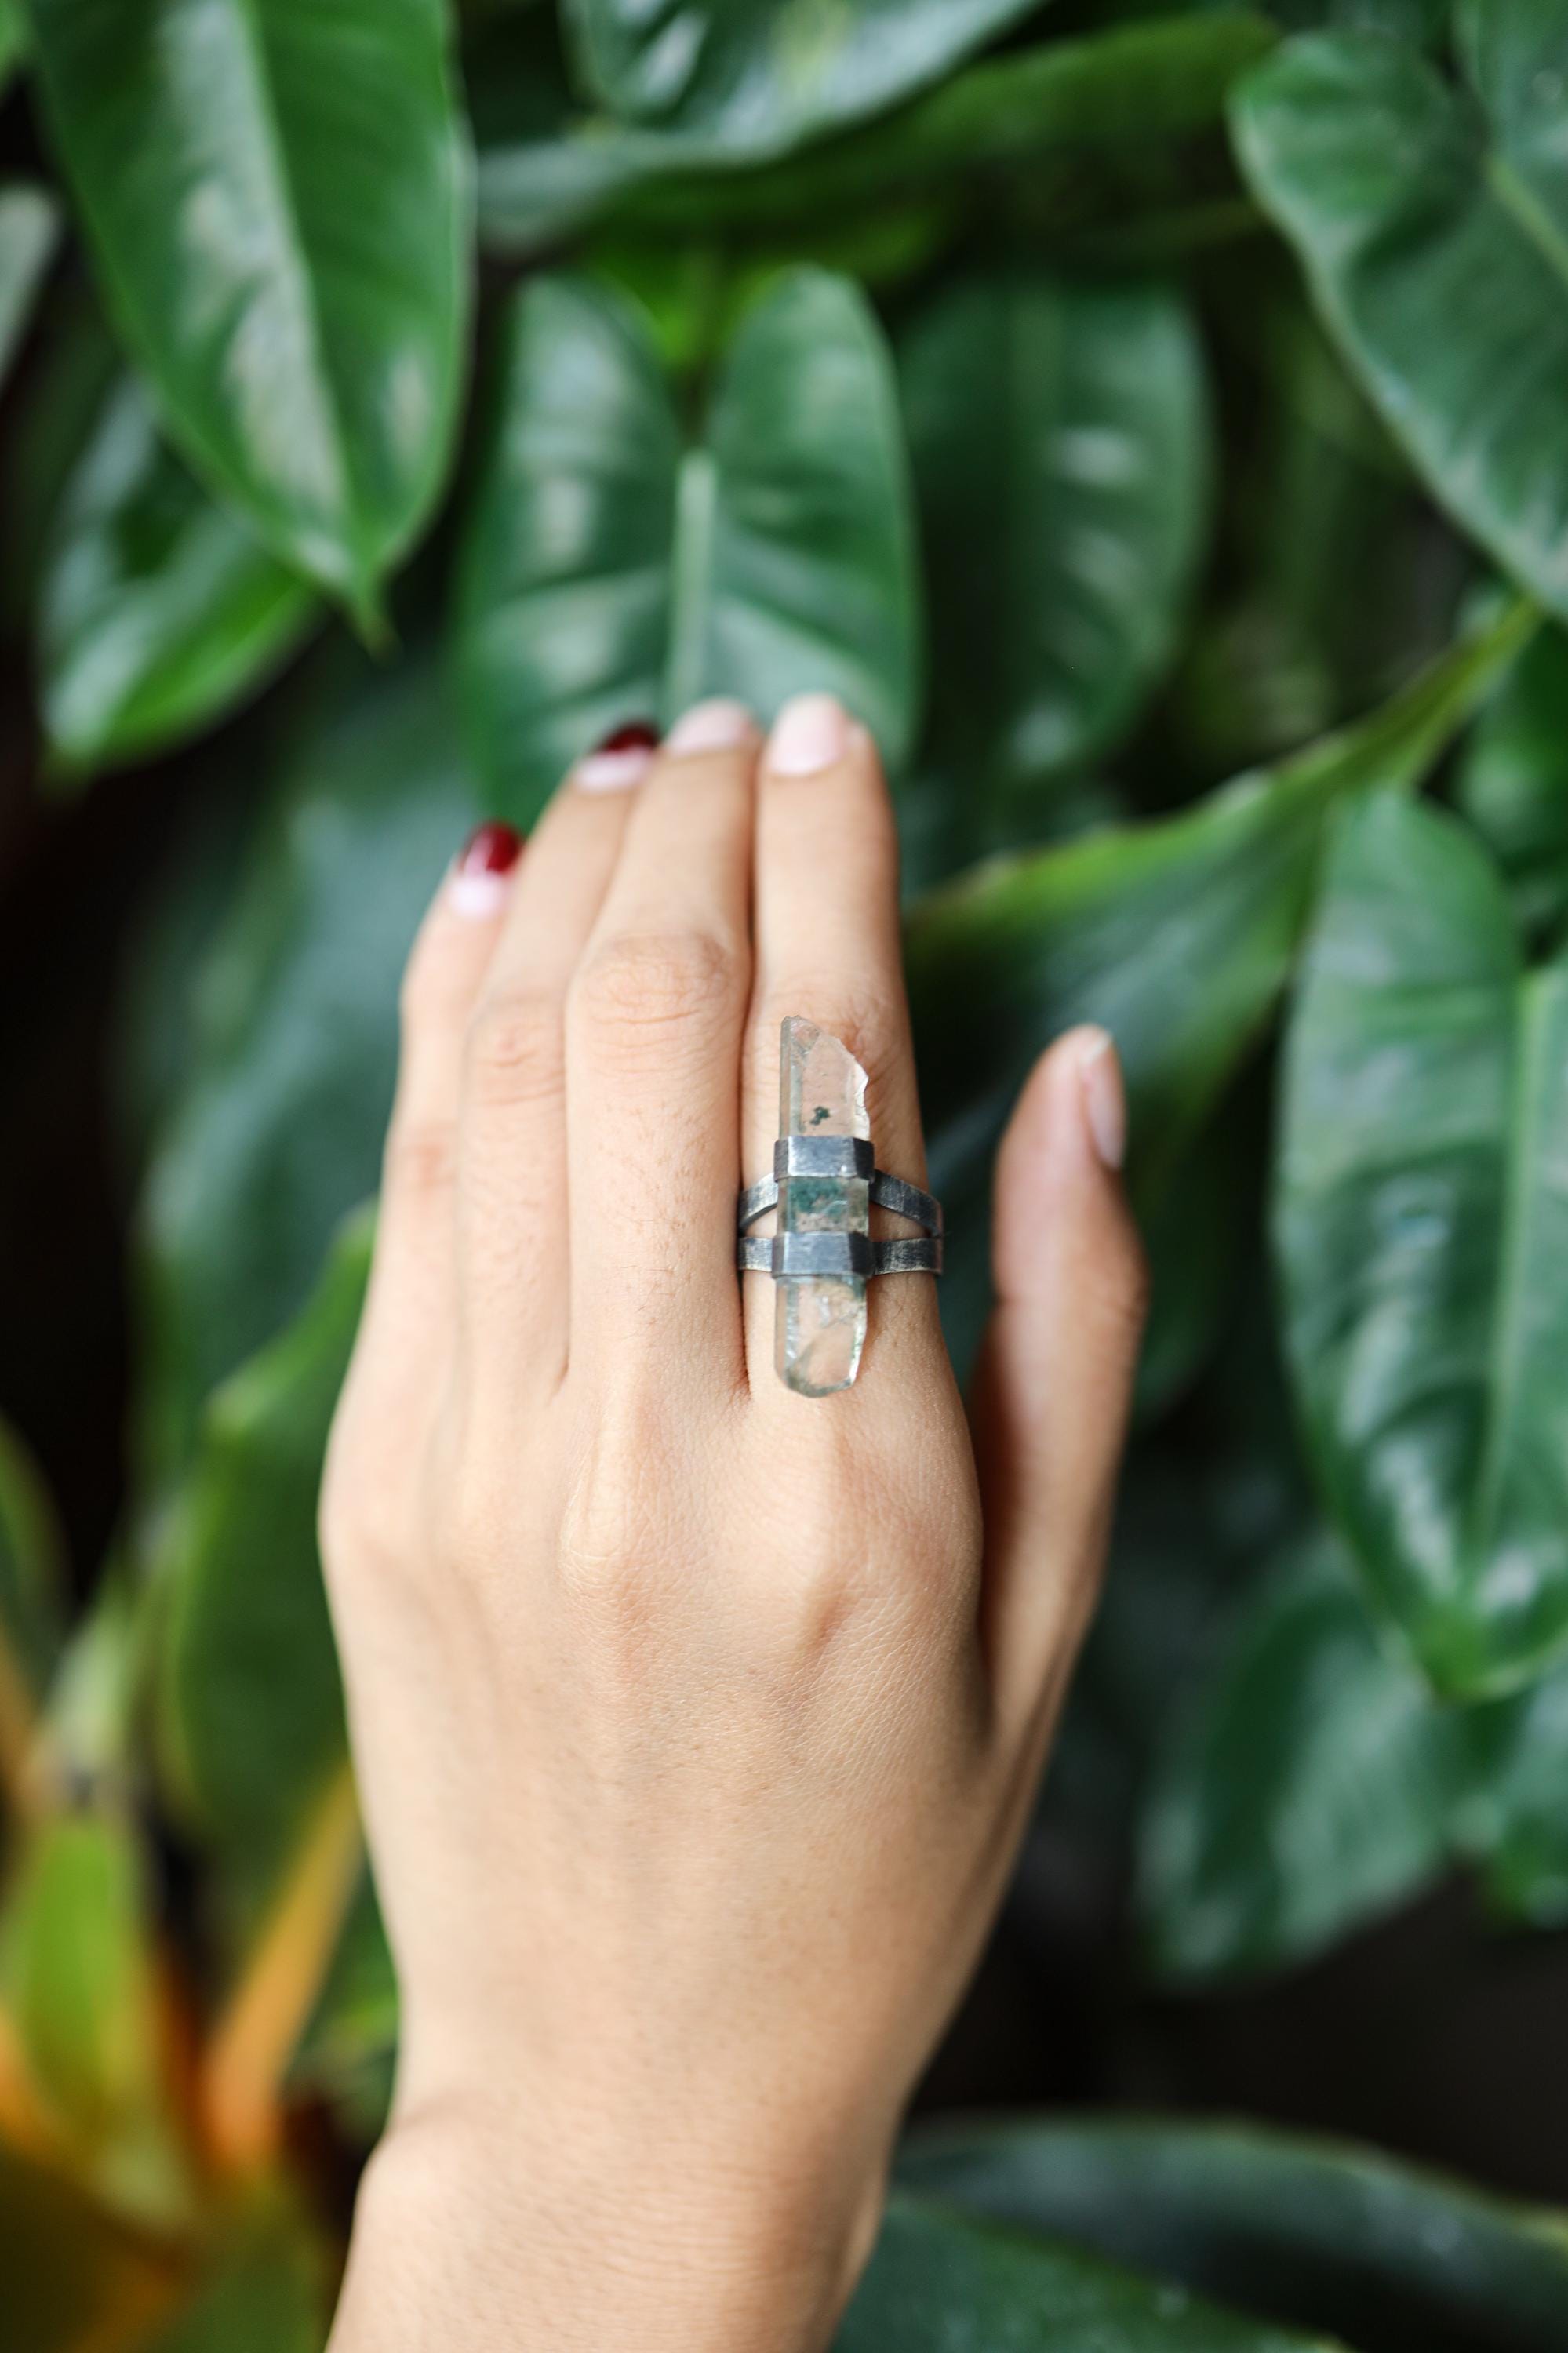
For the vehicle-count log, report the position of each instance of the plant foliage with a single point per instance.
(1153, 425)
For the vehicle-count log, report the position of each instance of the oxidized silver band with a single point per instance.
(782, 1255)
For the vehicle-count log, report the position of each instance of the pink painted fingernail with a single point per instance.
(721, 725)
(481, 873)
(619, 760)
(812, 733)
(1105, 1096)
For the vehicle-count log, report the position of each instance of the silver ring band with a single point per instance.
(798, 1255)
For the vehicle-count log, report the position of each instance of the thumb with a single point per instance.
(1054, 1377)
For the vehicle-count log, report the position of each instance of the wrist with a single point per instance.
(468, 2234)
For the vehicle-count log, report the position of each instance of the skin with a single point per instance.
(696, 1723)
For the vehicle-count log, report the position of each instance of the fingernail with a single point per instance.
(621, 759)
(719, 726)
(811, 732)
(1104, 1097)
(482, 871)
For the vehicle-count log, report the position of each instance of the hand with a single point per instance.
(696, 1722)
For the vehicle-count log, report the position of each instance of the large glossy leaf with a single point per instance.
(544, 171)
(613, 572)
(1404, 196)
(761, 78)
(941, 2282)
(277, 1133)
(29, 228)
(1312, 1784)
(1175, 1562)
(1060, 439)
(1513, 783)
(1422, 1227)
(278, 198)
(1321, 2235)
(158, 609)
(75, 368)
(1177, 935)
(1513, 1826)
(249, 1705)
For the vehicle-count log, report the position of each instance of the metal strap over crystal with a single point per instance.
(893, 1193)
(781, 1255)
(817, 1254)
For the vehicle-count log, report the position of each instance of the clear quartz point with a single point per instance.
(821, 1320)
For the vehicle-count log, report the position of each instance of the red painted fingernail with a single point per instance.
(637, 735)
(620, 759)
(490, 848)
(483, 867)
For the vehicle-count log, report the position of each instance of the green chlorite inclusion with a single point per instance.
(821, 1319)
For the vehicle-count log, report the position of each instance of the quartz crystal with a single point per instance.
(820, 1326)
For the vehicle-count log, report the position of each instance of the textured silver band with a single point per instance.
(808, 1254)
(904, 1199)
(760, 1254)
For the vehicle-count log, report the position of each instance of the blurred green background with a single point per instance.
(1154, 421)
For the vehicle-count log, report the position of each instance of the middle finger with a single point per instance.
(653, 1037)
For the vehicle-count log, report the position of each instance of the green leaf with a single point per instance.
(267, 2287)
(610, 572)
(347, 2053)
(1176, 935)
(58, 407)
(1176, 1559)
(760, 80)
(1309, 1787)
(248, 1700)
(158, 609)
(1402, 195)
(79, 1987)
(544, 171)
(1422, 1222)
(278, 198)
(278, 1130)
(171, 944)
(13, 41)
(1190, 1238)
(1513, 1826)
(1060, 437)
(1322, 2235)
(29, 231)
(940, 2282)
(1513, 783)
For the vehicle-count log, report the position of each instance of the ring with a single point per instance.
(825, 1180)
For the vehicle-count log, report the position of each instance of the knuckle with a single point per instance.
(638, 990)
(515, 1049)
(421, 1158)
(613, 1529)
(359, 1526)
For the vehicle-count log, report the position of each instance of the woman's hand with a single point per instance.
(696, 1722)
